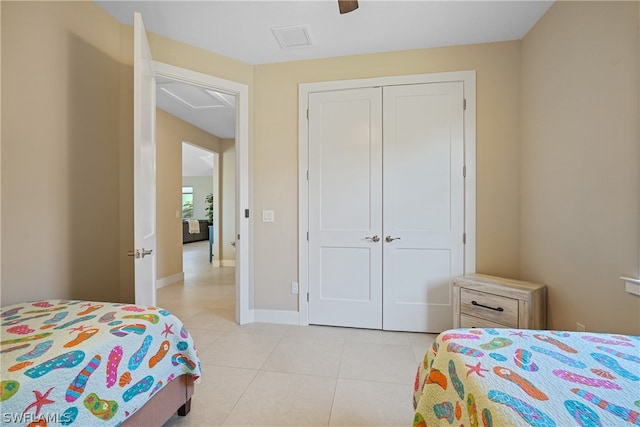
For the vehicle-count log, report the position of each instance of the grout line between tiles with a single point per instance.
(241, 396)
(335, 390)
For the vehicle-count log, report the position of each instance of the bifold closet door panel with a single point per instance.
(345, 208)
(423, 193)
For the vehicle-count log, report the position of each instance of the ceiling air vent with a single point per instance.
(293, 37)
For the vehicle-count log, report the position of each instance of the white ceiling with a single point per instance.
(196, 161)
(213, 112)
(242, 30)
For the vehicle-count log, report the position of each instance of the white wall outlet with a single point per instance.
(294, 288)
(268, 216)
(580, 327)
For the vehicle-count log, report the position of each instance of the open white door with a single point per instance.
(144, 174)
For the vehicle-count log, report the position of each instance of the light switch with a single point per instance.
(268, 216)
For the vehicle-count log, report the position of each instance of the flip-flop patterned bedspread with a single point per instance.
(507, 377)
(85, 363)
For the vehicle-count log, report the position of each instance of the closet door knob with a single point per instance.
(373, 239)
(390, 239)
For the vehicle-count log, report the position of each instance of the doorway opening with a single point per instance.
(201, 213)
(232, 235)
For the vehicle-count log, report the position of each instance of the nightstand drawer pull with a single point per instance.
(486, 306)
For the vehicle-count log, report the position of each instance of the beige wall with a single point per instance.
(179, 54)
(170, 133)
(580, 191)
(275, 154)
(125, 184)
(60, 164)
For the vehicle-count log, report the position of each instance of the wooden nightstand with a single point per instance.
(481, 301)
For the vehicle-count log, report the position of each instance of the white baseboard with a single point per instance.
(215, 263)
(166, 281)
(228, 263)
(276, 316)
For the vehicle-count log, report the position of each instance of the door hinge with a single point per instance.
(464, 238)
(307, 296)
(307, 174)
(464, 105)
(464, 171)
(307, 114)
(238, 237)
(307, 236)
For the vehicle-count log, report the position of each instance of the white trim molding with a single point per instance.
(632, 285)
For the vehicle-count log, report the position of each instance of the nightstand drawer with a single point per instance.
(475, 322)
(515, 304)
(494, 308)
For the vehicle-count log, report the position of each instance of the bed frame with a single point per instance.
(174, 397)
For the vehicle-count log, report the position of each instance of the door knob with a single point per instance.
(390, 239)
(373, 239)
(144, 252)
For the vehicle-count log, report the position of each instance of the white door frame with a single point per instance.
(241, 91)
(468, 78)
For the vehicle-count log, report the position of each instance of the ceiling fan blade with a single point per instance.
(347, 6)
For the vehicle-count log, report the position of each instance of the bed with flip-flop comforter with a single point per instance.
(85, 363)
(507, 377)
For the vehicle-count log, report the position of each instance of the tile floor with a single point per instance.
(279, 375)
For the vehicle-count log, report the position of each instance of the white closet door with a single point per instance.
(423, 204)
(345, 208)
